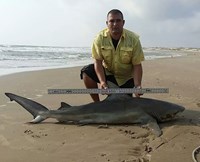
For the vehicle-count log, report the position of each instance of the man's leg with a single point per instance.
(90, 79)
(89, 83)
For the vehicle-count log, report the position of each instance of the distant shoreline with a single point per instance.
(19, 58)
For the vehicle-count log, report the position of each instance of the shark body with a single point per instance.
(115, 109)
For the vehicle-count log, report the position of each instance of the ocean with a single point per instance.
(19, 58)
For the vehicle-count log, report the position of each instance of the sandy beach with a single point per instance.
(50, 141)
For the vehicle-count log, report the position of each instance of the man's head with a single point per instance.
(115, 22)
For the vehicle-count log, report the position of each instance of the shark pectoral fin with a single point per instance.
(153, 126)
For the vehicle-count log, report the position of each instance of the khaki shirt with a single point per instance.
(118, 62)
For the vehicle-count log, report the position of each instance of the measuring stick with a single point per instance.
(108, 91)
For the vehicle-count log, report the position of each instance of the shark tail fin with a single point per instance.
(36, 109)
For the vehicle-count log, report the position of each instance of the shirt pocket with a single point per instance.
(126, 55)
(107, 54)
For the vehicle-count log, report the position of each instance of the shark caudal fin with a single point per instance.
(36, 109)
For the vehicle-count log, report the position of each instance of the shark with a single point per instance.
(115, 109)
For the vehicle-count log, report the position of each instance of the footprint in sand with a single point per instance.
(136, 151)
(33, 135)
(198, 104)
(134, 135)
(140, 154)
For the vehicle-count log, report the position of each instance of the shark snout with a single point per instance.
(172, 113)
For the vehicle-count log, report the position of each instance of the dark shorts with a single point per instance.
(89, 70)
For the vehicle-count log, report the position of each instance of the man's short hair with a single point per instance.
(116, 11)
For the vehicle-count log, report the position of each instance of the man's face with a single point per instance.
(115, 24)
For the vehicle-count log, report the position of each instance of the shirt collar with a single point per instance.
(106, 33)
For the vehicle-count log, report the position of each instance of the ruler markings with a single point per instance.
(108, 91)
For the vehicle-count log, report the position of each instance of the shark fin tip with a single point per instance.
(37, 119)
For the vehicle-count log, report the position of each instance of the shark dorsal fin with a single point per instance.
(64, 106)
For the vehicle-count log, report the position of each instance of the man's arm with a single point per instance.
(100, 73)
(137, 72)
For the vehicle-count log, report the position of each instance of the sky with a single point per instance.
(75, 23)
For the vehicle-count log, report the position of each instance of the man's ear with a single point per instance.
(106, 22)
(123, 22)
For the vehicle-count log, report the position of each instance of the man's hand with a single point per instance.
(138, 94)
(103, 85)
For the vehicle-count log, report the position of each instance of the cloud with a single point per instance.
(160, 10)
(76, 22)
(164, 23)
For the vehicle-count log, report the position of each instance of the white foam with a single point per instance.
(14, 59)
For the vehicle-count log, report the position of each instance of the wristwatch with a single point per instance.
(138, 87)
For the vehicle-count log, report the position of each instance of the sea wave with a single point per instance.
(17, 58)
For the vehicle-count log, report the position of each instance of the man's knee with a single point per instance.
(88, 72)
(85, 77)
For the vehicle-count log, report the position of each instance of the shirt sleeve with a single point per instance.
(138, 55)
(96, 49)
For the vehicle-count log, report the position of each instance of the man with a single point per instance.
(117, 54)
